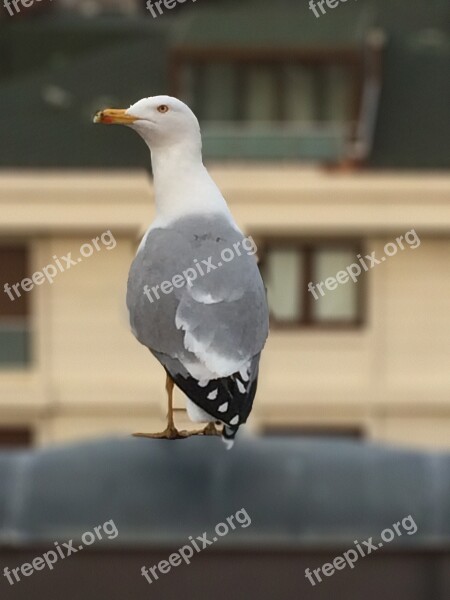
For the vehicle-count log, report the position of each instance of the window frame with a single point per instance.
(307, 247)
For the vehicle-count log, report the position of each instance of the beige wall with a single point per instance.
(90, 376)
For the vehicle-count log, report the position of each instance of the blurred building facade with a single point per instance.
(328, 139)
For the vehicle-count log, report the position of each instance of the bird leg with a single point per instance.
(210, 429)
(170, 432)
(169, 389)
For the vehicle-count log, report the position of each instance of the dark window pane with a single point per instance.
(14, 307)
(15, 437)
(14, 343)
(13, 268)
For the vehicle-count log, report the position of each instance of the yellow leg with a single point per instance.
(169, 390)
(171, 432)
(210, 429)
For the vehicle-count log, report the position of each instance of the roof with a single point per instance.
(257, 24)
(56, 72)
(297, 492)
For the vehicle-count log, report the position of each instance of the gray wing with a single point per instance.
(219, 319)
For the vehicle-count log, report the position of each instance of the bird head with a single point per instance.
(160, 120)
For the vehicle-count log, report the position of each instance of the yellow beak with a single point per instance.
(112, 116)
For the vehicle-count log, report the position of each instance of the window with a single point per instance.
(295, 274)
(15, 437)
(14, 310)
(300, 103)
(268, 86)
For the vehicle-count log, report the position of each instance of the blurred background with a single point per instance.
(329, 137)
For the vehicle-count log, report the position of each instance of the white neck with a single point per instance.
(182, 184)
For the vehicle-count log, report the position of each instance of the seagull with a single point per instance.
(195, 295)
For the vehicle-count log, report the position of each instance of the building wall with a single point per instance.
(390, 377)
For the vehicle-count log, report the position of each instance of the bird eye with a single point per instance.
(163, 108)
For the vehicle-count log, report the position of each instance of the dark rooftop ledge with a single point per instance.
(298, 493)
